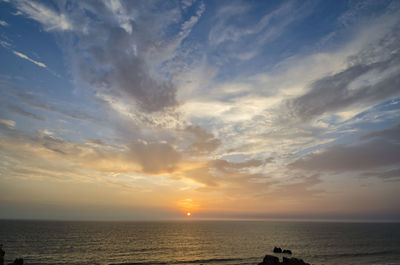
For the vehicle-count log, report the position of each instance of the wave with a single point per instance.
(208, 260)
(140, 263)
(215, 260)
(27, 262)
(361, 254)
(147, 249)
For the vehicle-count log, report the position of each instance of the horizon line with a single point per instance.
(288, 220)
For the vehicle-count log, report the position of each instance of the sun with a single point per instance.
(189, 214)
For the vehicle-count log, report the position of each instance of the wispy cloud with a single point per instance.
(23, 56)
(236, 36)
(42, 102)
(187, 3)
(342, 158)
(361, 83)
(25, 113)
(49, 18)
(3, 23)
(119, 13)
(10, 124)
(390, 175)
(122, 70)
(5, 44)
(270, 25)
(376, 150)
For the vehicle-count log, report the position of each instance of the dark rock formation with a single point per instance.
(2, 254)
(272, 260)
(293, 261)
(287, 251)
(277, 250)
(19, 261)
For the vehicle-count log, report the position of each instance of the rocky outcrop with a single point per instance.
(2, 254)
(19, 261)
(293, 261)
(272, 260)
(287, 251)
(277, 250)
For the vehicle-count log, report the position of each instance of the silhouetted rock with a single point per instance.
(287, 251)
(2, 254)
(272, 260)
(293, 261)
(277, 250)
(19, 261)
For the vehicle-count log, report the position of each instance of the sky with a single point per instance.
(147, 110)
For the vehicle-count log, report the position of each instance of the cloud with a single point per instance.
(373, 75)
(187, 3)
(226, 166)
(5, 44)
(224, 30)
(228, 176)
(392, 134)
(129, 77)
(188, 24)
(386, 175)
(98, 143)
(377, 149)
(119, 12)
(46, 156)
(299, 187)
(49, 18)
(40, 101)
(3, 23)
(250, 113)
(135, 157)
(9, 124)
(234, 34)
(25, 113)
(204, 142)
(126, 57)
(23, 56)
(202, 175)
(154, 158)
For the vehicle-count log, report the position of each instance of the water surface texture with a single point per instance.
(198, 242)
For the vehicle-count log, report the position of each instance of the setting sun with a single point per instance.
(188, 213)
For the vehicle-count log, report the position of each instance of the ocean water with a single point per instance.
(197, 242)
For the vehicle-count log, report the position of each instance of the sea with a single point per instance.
(197, 242)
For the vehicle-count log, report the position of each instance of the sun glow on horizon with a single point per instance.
(189, 214)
